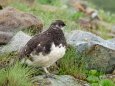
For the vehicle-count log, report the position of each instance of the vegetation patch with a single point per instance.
(70, 64)
(16, 75)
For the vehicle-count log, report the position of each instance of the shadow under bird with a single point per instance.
(45, 48)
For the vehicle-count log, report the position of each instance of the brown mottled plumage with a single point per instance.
(46, 48)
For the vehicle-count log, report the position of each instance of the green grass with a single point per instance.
(107, 16)
(70, 64)
(106, 82)
(16, 75)
(50, 2)
(7, 59)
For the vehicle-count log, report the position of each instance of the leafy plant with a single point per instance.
(92, 79)
(95, 84)
(106, 82)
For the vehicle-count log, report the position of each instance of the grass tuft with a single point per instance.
(17, 75)
(71, 65)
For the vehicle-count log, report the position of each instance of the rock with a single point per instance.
(90, 23)
(113, 29)
(105, 25)
(111, 40)
(16, 43)
(90, 11)
(84, 23)
(99, 52)
(57, 80)
(86, 85)
(12, 19)
(108, 27)
(79, 5)
(93, 24)
(113, 73)
(5, 37)
(4, 2)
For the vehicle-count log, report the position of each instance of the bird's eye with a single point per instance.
(64, 24)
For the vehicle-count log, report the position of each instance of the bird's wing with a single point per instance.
(43, 47)
(38, 43)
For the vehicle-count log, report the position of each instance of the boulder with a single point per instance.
(4, 2)
(16, 43)
(113, 29)
(111, 40)
(57, 80)
(79, 5)
(5, 37)
(84, 23)
(12, 20)
(99, 53)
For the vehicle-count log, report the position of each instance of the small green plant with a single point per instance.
(95, 81)
(93, 72)
(92, 79)
(106, 82)
(95, 84)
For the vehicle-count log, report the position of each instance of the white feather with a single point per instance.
(56, 53)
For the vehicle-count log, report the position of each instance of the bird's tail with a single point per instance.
(21, 53)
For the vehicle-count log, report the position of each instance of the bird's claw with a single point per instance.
(49, 75)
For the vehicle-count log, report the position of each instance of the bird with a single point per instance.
(46, 48)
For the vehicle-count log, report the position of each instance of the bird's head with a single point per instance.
(58, 24)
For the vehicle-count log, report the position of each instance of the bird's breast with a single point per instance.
(56, 53)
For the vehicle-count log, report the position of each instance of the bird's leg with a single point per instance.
(29, 62)
(47, 73)
(45, 69)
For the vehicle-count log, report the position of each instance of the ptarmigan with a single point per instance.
(46, 48)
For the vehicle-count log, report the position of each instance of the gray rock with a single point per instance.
(57, 80)
(5, 37)
(100, 53)
(111, 40)
(16, 43)
(113, 29)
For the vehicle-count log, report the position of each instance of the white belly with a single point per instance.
(56, 53)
